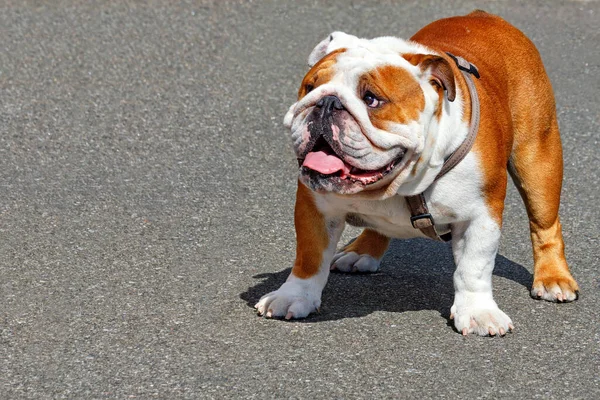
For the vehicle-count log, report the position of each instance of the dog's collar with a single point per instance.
(420, 216)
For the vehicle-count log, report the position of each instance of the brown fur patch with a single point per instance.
(402, 95)
(320, 73)
(311, 234)
(369, 242)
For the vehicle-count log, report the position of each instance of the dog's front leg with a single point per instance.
(475, 244)
(316, 240)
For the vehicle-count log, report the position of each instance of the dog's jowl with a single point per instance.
(416, 138)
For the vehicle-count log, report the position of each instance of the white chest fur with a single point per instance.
(452, 199)
(390, 217)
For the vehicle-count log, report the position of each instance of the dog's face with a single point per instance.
(364, 110)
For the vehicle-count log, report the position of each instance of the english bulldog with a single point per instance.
(376, 121)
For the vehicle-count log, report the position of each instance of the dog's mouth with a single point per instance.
(323, 163)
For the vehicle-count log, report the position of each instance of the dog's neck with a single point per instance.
(442, 137)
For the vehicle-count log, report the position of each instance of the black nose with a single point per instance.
(328, 103)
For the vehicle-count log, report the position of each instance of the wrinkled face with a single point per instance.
(361, 113)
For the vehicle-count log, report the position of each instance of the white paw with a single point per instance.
(291, 300)
(353, 262)
(483, 319)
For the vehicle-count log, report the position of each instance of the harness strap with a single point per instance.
(420, 217)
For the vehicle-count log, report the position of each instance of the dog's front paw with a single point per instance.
(483, 318)
(353, 262)
(291, 300)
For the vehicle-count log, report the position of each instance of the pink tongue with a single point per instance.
(324, 163)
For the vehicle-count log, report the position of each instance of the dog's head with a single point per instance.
(364, 111)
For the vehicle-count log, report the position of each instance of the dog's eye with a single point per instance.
(309, 88)
(371, 101)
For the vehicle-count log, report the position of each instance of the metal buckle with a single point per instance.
(414, 221)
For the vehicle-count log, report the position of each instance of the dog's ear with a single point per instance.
(334, 41)
(320, 51)
(439, 69)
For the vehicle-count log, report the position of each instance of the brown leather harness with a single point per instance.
(420, 216)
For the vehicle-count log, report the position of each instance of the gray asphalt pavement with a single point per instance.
(146, 202)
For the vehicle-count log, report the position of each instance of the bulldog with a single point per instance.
(374, 128)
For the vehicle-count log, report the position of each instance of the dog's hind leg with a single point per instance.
(536, 166)
(362, 255)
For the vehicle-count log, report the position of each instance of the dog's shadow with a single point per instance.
(415, 275)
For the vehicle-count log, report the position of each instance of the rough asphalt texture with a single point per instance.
(146, 202)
